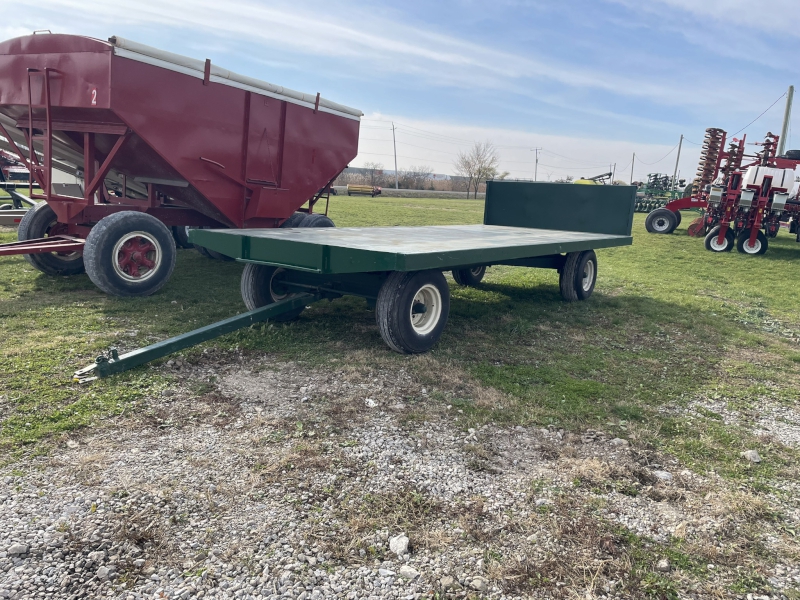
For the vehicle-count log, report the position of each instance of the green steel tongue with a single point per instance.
(117, 363)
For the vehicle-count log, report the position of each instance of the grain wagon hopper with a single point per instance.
(159, 141)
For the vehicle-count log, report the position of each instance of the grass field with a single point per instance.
(668, 323)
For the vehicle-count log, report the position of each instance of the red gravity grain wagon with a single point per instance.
(159, 140)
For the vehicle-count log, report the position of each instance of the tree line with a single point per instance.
(472, 169)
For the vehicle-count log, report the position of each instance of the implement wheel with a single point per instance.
(759, 245)
(469, 277)
(661, 220)
(261, 285)
(712, 243)
(130, 254)
(578, 275)
(39, 222)
(412, 310)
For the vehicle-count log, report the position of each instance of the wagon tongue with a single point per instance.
(117, 363)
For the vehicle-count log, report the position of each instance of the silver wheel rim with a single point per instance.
(754, 249)
(660, 224)
(477, 271)
(276, 297)
(588, 276)
(155, 255)
(427, 296)
(716, 246)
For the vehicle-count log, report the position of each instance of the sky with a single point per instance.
(588, 82)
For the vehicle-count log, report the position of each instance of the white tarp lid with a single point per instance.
(196, 68)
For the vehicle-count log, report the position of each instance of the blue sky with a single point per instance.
(588, 81)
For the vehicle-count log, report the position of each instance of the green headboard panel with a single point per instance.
(564, 206)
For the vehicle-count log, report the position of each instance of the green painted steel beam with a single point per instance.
(105, 366)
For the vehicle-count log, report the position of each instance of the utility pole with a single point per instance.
(633, 160)
(536, 166)
(394, 143)
(677, 160)
(787, 114)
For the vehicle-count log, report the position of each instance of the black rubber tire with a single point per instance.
(316, 220)
(577, 267)
(772, 235)
(257, 290)
(761, 243)
(37, 223)
(294, 220)
(6, 206)
(678, 218)
(99, 253)
(181, 236)
(661, 220)
(469, 277)
(395, 303)
(710, 240)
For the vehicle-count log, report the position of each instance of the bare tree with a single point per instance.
(567, 179)
(416, 177)
(375, 174)
(477, 165)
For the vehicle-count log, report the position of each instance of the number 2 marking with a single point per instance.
(94, 97)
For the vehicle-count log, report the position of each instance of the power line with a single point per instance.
(761, 115)
(660, 159)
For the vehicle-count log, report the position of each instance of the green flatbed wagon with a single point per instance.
(399, 270)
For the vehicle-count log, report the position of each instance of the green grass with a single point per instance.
(669, 322)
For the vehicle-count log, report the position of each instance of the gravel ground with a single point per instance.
(284, 483)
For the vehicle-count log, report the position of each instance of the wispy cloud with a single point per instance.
(370, 39)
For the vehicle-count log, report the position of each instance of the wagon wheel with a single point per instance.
(578, 275)
(262, 285)
(412, 310)
(130, 254)
(39, 222)
(469, 277)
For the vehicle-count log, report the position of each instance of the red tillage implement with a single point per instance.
(159, 140)
(744, 197)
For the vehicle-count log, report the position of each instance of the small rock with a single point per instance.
(385, 572)
(370, 403)
(542, 502)
(139, 563)
(72, 444)
(407, 572)
(752, 456)
(680, 530)
(103, 573)
(447, 582)
(168, 393)
(619, 442)
(399, 544)
(16, 549)
(663, 475)
(97, 556)
(663, 565)
(479, 584)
